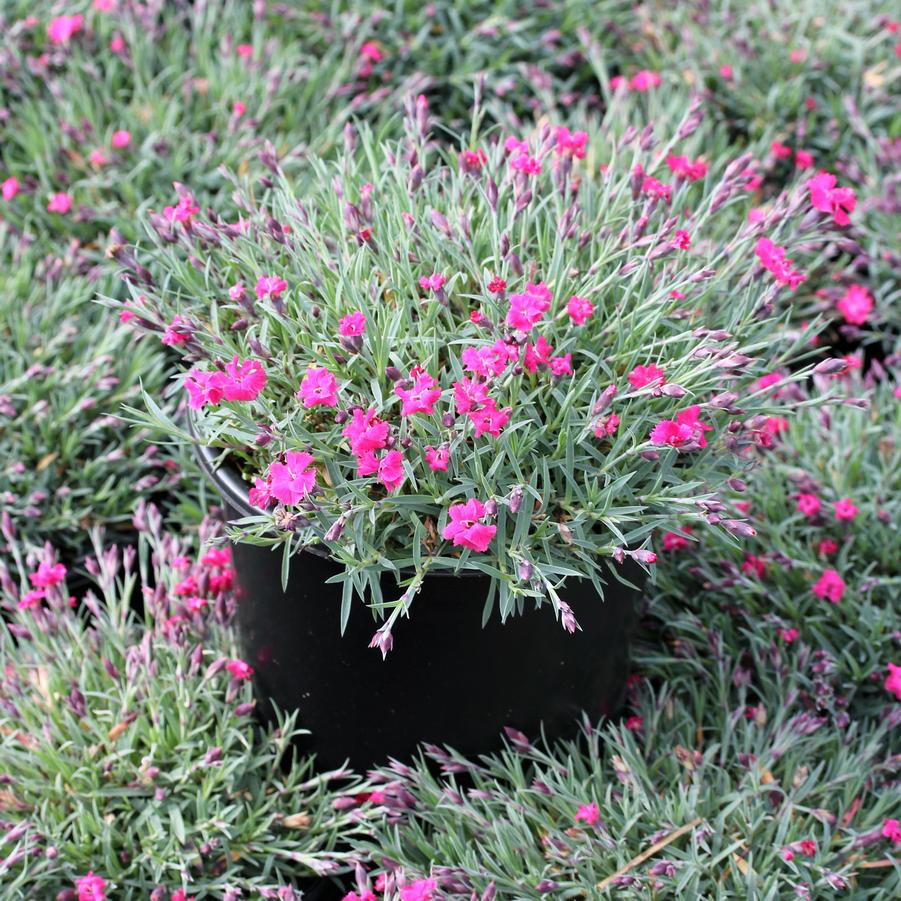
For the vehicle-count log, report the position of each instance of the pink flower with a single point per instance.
(787, 854)
(497, 285)
(106, 6)
(579, 309)
(433, 282)
(204, 388)
(589, 814)
(465, 528)
(726, 72)
(856, 305)
(352, 324)
(528, 165)
(32, 598)
(318, 387)
(420, 890)
(830, 585)
(537, 354)
(527, 308)
(606, 426)
(657, 189)
(177, 332)
(391, 470)
(826, 197)
(642, 376)
(789, 635)
(239, 669)
(237, 292)
(469, 395)
(244, 51)
(91, 887)
(571, 143)
(60, 31)
(121, 139)
(491, 360)
(754, 566)
(183, 211)
(635, 722)
(437, 457)
(10, 187)
(290, 482)
(243, 381)
(808, 504)
(421, 398)
(489, 419)
(781, 151)
(891, 829)
(562, 365)
(644, 81)
(684, 429)
(371, 51)
(59, 203)
(365, 432)
(808, 847)
(270, 286)
(803, 159)
(239, 108)
(260, 495)
(772, 257)
(826, 547)
(47, 575)
(893, 680)
(180, 895)
(98, 157)
(685, 168)
(682, 239)
(674, 541)
(845, 509)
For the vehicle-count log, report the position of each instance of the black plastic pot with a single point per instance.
(448, 680)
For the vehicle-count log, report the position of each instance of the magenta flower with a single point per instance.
(121, 139)
(562, 365)
(571, 143)
(59, 203)
(644, 80)
(420, 890)
(657, 189)
(489, 419)
(10, 187)
(772, 257)
(893, 680)
(318, 388)
(856, 305)
(180, 895)
(290, 482)
(239, 669)
(537, 354)
(91, 887)
(352, 325)
(826, 197)
(589, 814)
(469, 395)
(465, 528)
(177, 332)
(491, 360)
(60, 31)
(808, 504)
(437, 457)
(243, 381)
(642, 376)
(685, 168)
(32, 598)
(676, 541)
(237, 292)
(527, 308)
(421, 398)
(260, 495)
(826, 547)
(579, 309)
(204, 388)
(682, 239)
(391, 470)
(670, 432)
(433, 282)
(47, 575)
(790, 635)
(183, 211)
(891, 829)
(845, 509)
(270, 286)
(523, 162)
(365, 432)
(830, 586)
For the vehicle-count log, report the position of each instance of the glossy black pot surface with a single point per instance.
(447, 680)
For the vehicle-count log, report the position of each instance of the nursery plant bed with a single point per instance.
(448, 680)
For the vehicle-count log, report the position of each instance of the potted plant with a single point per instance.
(450, 398)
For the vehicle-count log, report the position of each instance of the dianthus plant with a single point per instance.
(524, 357)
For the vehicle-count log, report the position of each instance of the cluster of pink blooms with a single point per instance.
(803, 159)
(92, 887)
(239, 380)
(855, 305)
(772, 258)
(686, 168)
(203, 583)
(184, 210)
(685, 432)
(641, 81)
(417, 890)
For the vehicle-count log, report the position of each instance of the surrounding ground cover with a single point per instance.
(759, 757)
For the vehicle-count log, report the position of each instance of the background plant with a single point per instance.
(128, 747)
